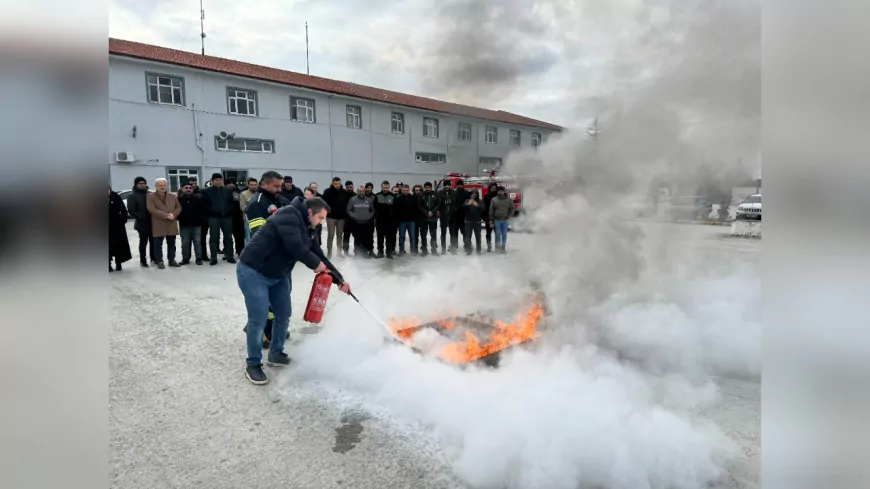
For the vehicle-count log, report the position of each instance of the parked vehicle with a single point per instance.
(124, 194)
(750, 208)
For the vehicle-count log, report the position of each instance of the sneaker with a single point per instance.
(231, 260)
(173, 264)
(184, 262)
(277, 359)
(255, 374)
(160, 265)
(199, 262)
(213, 262)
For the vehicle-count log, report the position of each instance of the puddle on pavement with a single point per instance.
(348, 434)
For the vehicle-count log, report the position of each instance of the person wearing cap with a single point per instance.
(428, 203)
(137, 207)
(290, 192)
(348, 223)
(500, 210)
(336, 197)
(491, 192)
(219, 202)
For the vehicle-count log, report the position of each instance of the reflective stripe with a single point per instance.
(271, 315)
(256, 222)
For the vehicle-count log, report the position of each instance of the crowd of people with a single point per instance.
(218, 220)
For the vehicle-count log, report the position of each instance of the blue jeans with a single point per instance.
(410, 227)
(260, 292)
(501, 233)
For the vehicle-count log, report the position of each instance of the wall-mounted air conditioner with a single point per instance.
(124, 157)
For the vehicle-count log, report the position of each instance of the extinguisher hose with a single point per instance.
(371, 315)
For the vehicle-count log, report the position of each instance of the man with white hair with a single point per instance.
(164, 209)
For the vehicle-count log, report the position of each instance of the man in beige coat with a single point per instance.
(164, 209)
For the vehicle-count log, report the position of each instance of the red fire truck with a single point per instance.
(512, 185)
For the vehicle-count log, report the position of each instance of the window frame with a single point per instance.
(255, 99)
(490, 159)
(536, 136)
(519, 135)
(347, 114)
(442, 159)
(494, 133)
(149, 74)
(191, 172)
(461, 126)
(394, 121)
(227, 149)
(436, 126)
(294, 113)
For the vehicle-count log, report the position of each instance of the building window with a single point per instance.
(178, 177)
(165, 89)
(464, 131)
(536, 139)
(432, 158)
(398, 124)
(241, 102)
(515, 137)
(489, 163)
(491, 134)
(354, 116)
(302, 109)
(430, 127)
(245, 145)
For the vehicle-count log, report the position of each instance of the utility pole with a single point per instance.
(202, 26)
(307, 68)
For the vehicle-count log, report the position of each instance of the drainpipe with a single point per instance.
(329, 125)
(197, 136)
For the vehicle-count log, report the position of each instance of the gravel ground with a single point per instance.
(183, 415)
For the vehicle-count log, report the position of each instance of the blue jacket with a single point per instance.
(283, 240)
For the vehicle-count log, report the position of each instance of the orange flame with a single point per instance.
(522, 329)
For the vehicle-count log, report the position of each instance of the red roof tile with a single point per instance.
(132, 49)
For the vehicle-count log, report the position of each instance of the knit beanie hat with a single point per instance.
(216, 175)
(139, 179)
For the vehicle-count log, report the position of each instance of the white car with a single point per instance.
(750, 208)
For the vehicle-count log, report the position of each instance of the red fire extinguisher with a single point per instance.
(317, 298)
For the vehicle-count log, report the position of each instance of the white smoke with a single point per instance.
(640, 325)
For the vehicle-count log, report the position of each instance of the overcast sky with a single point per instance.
(508, 57)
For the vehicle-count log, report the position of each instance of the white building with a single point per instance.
(174, 113)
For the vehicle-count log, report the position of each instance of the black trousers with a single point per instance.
(348, 232)
(146, 241)
(239, 233)
(216, 226)
(471, 227)
(488, 234)
(387, 232)
(449, 224)
(363, 237)
(428, 227)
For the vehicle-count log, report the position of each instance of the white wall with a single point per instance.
(165, 135)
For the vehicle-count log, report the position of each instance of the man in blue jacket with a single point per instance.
(263, 274)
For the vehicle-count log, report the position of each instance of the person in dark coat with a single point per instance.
(119, 247)
(473, 213)
(238, 217)
(492, 190)
(136, 204)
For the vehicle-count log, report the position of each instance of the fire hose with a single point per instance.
(320, 294)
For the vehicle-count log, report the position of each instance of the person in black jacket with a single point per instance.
(491, 192)
(473, 215)
(405, 212)
(385, 222)
(190, 223)
(348, 223)
(237, 216)
(119, 247)
(447, 204)
(429, 204)
(418, 216)
(263, 275)
(290, 192)
(219, 202)
(138, 208)
(462, 196)
(336, 198)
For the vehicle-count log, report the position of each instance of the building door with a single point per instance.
(240, 176)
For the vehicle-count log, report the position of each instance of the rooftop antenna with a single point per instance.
(202, 26)
(307, 68)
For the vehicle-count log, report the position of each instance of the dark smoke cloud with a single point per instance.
(482, 50)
